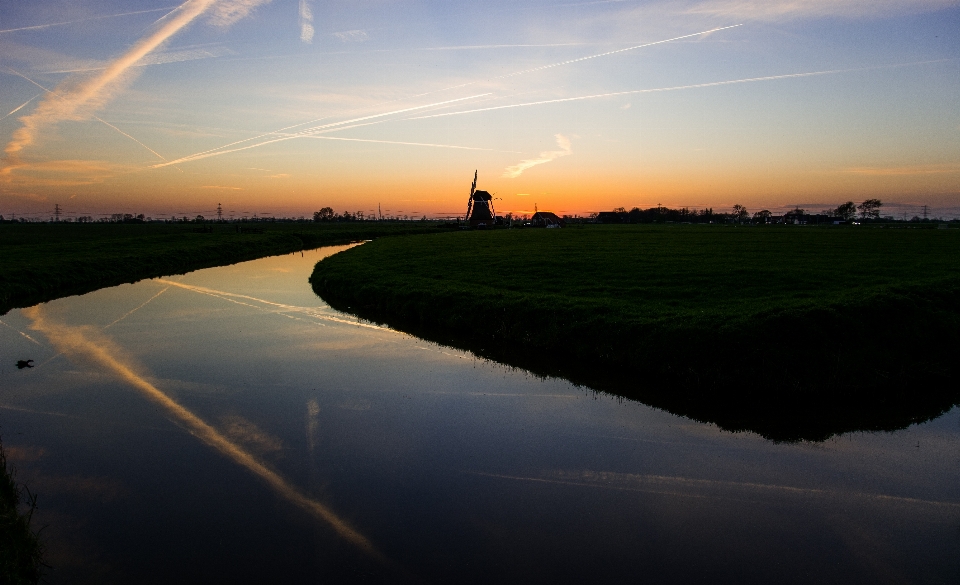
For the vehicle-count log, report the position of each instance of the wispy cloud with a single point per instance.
(228, 12)
(69, 173)
(306, 22)
(775, 10)
(516, 170)
(933, 169)
(352, 36)
(161, 58)
(79, 20)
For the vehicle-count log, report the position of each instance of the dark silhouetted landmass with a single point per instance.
(793, 332)
(45, 261)
(21, 552)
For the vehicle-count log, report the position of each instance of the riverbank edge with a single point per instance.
(788, 375)
(28, 287)
(21, 550)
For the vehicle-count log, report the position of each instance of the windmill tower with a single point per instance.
(480, 212)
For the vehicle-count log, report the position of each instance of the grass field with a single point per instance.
(792, 331)
(45, 261)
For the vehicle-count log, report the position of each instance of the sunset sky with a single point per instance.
(285, 106)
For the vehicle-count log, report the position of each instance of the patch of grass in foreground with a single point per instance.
(21, 553)
(42, 262)
(750, 327)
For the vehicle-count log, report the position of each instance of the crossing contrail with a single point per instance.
(308, 132)
(98, 118)
(78, 98)
(219, 150)
(675, 88)
(42, 26)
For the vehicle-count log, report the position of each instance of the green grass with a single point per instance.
(761, 322)
(21, 552)
(42, 262)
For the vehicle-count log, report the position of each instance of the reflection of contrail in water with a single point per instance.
(305, 310)
(685, 486)
(75, 340)
(132, 311)
(20, 332)
(42, 26)
(675, 88)
(310, 131)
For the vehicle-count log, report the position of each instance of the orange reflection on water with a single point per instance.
(87, 342)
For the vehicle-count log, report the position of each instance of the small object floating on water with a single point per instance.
(24, 364)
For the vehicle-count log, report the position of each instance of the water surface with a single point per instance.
(227, 426)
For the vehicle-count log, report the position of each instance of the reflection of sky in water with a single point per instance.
(308, 446)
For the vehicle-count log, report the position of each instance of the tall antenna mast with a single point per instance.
(56, 212)
(219, 212)
(924, 212)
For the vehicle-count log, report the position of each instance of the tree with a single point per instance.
(847, 211)
(325, 214)
(870, 209)
(740, 212)
(762, 216)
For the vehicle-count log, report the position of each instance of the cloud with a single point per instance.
(306, 22)
(516, 170)
(352, 36)
(228, 12)
(161, 58)
(77, 98)
(43, 26)
(904, 170)
(67, 173)
(777, 10)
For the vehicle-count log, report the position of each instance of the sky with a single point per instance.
(281, 107)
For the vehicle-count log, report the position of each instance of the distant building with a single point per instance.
(546, 219)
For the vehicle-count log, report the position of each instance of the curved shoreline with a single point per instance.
(54, 268)
(790, 371)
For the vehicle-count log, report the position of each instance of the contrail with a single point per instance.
(89, 93)
(20, 332)
(409, 143)
(675, 88)
(42, 26)
(308, 132)
(132, 311)
(18, 108)
(199, 155)
(101, 120)
(76, 341)
(552, 65)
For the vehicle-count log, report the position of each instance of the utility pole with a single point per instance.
(56, 211)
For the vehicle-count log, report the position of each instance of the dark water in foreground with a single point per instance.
(226, 426)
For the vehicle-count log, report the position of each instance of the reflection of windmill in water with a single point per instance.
(480, 212)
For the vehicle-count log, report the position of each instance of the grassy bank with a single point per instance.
(789, 331)
(42, 262)
(20, 549)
